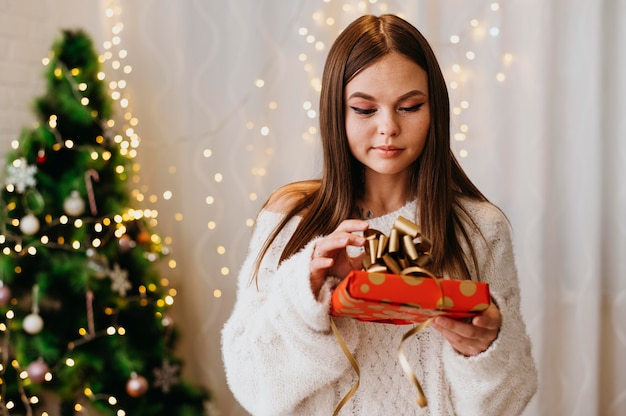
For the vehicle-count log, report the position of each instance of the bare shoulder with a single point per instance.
(288, 196)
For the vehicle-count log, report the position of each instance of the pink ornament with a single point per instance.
(137, 385)
(5, 295)
(37, 371)
(126, 243)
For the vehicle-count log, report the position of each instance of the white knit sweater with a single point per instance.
(281, 358)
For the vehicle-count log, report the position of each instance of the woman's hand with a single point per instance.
(471, 338)
(330, 256)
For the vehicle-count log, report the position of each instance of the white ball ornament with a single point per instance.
(29, 224)
(74, 204)
(33, 323)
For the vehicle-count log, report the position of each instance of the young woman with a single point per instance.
(384, 122)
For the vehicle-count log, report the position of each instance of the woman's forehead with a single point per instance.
(391, 75)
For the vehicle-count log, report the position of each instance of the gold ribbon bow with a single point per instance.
(399, 253)
(405, 251)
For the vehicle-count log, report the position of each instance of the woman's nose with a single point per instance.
(388, 124)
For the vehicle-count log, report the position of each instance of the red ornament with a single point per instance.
(143, 237)
(37, 371)
(41, 156)
(137, 385)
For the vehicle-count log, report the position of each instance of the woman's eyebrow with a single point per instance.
(412, 93)
(358, 94)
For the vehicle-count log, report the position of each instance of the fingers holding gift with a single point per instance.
(335, 243)
(463, 341)
(471, 338)
(329, 254)
(490, 318)
(352, 226)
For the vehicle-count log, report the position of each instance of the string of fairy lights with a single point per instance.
(114, 55)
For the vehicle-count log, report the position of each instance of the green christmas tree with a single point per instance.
(84, 318)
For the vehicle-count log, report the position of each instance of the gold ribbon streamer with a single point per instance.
(421, 398)
(354, 364)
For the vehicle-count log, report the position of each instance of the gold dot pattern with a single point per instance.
(412, 280)
(398, 299)
(445, 303)
(376, 278)
(467, 288)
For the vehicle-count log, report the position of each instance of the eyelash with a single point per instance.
(412, 109)
(367, 112)
(362, 111)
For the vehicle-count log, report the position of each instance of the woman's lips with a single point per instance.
(387, 151)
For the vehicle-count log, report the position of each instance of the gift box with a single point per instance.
(406, 299)
(396, 286)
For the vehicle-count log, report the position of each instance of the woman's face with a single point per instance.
(387, 115)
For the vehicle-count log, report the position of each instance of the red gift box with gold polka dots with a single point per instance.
(406, 299)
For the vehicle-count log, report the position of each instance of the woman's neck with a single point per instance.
(383, 195)
(370, 209)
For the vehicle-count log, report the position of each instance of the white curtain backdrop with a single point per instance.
(226, 97)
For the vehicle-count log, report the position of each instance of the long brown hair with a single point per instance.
(437, 178)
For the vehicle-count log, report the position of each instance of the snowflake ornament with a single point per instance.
(166, 376)
(21, 175)
(119, 280)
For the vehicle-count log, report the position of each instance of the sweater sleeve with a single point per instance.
(502, 379)
(277, 345)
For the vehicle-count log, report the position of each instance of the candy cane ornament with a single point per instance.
(90, 320)
(90, 176)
